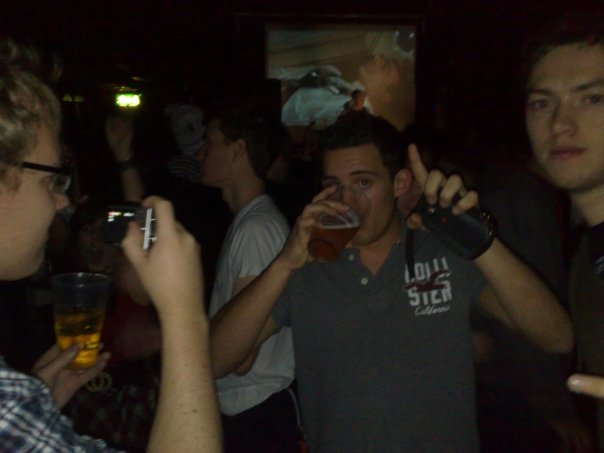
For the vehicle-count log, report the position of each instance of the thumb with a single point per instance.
(61, 361)
(132, 245)
(590, 385)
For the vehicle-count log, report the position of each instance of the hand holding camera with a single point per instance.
(450, 212)
(118, 217)
(171, 270)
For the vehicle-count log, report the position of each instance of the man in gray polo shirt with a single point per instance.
(382, 345)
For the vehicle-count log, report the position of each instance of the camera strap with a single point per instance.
(410, 253)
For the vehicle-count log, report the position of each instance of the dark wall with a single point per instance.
(469, 47)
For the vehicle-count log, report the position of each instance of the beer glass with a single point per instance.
(79, 302)
(328, 239)
(332, 234)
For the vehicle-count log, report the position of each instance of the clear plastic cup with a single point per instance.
(79, 306)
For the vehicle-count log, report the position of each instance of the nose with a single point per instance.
(348, 196)
(564, 120)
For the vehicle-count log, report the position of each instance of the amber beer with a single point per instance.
(329, 238)
(84, 329)
(79, 311)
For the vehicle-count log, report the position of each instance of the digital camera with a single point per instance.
(469, 234)
(116, 222)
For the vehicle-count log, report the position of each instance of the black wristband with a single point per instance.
(468, 234)
(126, 164)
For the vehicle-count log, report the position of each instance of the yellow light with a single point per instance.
(127, 100)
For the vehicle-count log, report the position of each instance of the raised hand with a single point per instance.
(171, 273)
(295, 251)
(171, 270)
(439, 188)
(119, 133)
(63, 383)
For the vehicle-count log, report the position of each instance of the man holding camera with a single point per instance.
(383, 345)
(32, 188)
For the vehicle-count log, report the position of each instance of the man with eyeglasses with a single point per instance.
(61, 179)
(382, 342)
(32, 189)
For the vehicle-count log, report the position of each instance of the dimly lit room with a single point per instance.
(311, 227)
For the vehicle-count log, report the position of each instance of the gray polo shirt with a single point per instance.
(384, 362)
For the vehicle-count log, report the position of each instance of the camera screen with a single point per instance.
(117, 219)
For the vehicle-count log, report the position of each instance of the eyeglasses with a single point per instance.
(62, 175)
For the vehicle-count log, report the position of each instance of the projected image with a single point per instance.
(326, 71)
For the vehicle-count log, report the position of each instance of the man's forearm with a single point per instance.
(187, 414)
(132, 184)
(242, 325)
(528, 302)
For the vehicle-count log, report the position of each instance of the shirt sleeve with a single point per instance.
(477, 282)
(30, 421)
(281, 312)
(256, 243)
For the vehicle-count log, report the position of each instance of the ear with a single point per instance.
(240, 149)
(402, 182)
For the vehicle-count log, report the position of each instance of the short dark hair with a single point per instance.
(361, 128)
(578, 27)
(243, 120)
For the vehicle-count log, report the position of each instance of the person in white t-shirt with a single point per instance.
(257, 406)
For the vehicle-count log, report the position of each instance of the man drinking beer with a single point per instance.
(381, 335)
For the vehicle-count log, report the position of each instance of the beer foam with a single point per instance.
(340, 221)
(339, 226)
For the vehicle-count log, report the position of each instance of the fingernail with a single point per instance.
(575, 384)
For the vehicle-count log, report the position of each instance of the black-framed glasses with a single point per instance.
(62, 175)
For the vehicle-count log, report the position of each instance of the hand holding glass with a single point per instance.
(328, 239)
(79, 311)
(333, 233)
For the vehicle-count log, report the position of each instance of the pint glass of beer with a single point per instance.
(332, 234)
(79, 301)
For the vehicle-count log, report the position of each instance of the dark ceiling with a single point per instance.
(184, 39)
(473, 45)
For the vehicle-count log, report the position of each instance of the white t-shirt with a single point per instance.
(256, 235)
